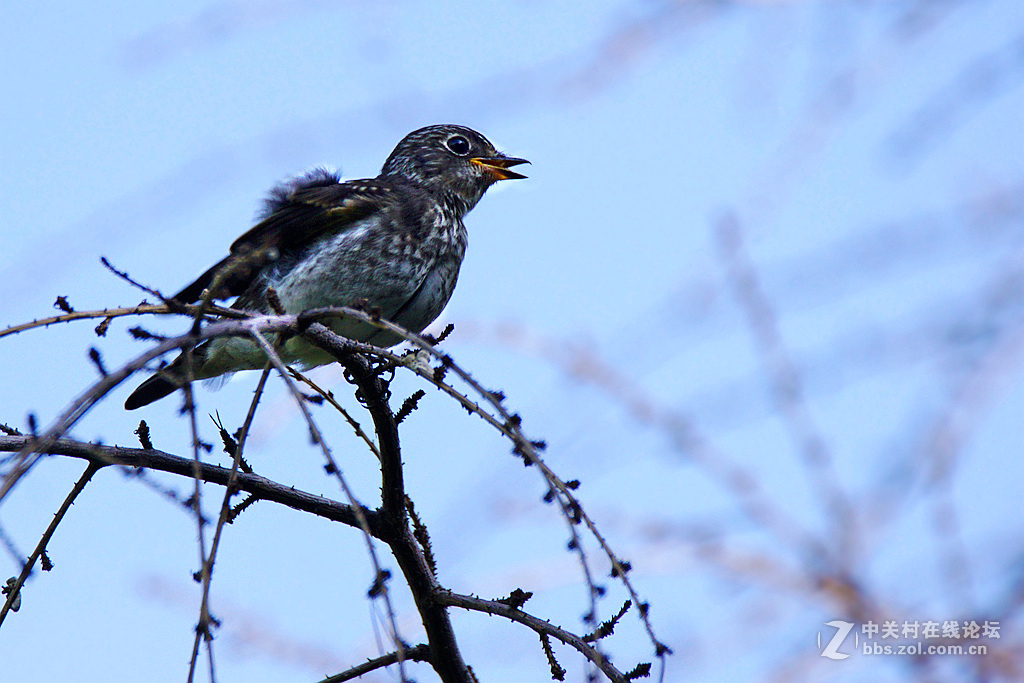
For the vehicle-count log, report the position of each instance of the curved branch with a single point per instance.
(420, 653)
(537, 624)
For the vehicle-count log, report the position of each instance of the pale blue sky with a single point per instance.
(871, 152)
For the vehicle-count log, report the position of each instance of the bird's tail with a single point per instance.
(166, 381)
(153, 389)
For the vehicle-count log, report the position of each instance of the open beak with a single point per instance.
(498, 166)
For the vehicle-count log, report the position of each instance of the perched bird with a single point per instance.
(392, 244)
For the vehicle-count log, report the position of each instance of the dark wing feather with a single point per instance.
(302, 216)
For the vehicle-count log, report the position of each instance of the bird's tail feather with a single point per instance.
(153, 389)
(167, 380)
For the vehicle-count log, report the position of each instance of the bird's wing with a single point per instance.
(299, 215)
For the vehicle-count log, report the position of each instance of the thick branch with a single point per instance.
(374, 394)
(444, 650)
(261, 487)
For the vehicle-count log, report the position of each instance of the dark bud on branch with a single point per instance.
(379, 584)
(516, 599)
(62, 304)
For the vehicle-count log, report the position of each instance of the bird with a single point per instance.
(392, 245)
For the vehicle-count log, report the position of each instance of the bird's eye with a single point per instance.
(458, 145)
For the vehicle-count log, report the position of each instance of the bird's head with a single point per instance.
(453, 162)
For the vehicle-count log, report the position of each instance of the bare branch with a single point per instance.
(261, 487)
(391, 523)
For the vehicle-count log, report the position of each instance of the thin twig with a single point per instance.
(329, 397)
(420, 653)
(79, 486)
(141, 309)
(225, 508)
(204, 633)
